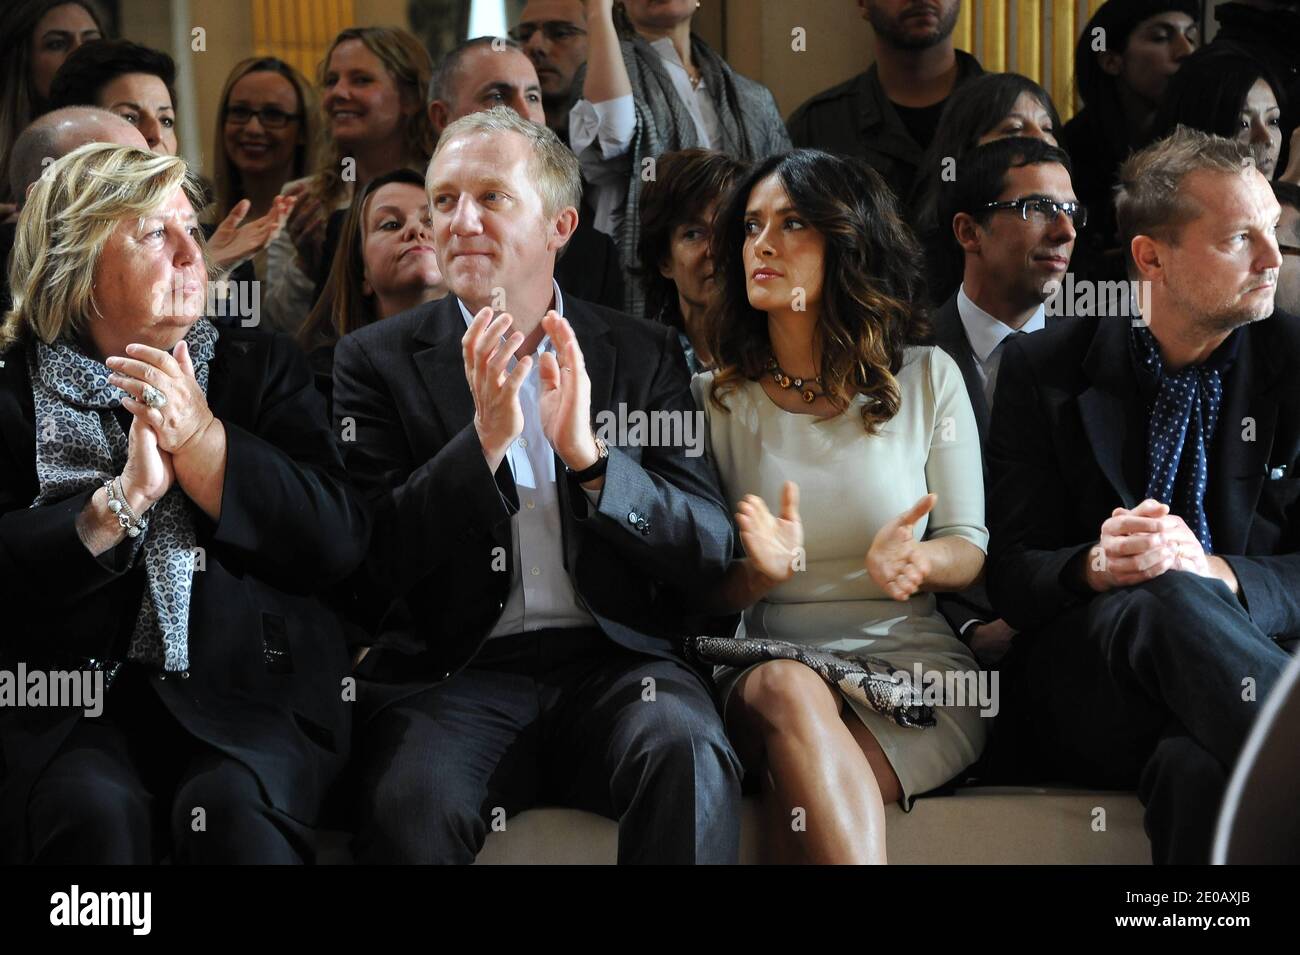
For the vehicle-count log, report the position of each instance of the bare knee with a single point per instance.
(783, 694)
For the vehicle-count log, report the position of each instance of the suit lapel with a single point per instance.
(950, 335)
(441, 366)
(599, 356)
(1110, 407)
(598, 352)
(1238, 459)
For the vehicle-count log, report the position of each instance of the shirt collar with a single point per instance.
(664, 47)
(984, 331)
(557, 304)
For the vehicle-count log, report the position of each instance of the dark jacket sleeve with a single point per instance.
(41, 553)
(666, 512)
(1270, 590)
(287, 511)
(422, 509)
(1029, 504)
(959, 609)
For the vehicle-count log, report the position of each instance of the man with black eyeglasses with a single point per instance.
(554, 35)
(1013, 214)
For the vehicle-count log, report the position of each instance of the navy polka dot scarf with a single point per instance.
(1182, 423)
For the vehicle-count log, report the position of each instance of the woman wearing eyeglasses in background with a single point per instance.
(139, 84)
(267, 134)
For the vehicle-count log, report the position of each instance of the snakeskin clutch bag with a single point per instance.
(866, 679)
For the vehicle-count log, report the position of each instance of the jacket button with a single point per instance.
(162, 676)
(633, 517)
(446, 675)
(185, 674)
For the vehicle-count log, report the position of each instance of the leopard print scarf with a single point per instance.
(79, 444)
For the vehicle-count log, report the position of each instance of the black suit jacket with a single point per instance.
(947, 331)
(661, 532)
(266, 660)
(1068, 445)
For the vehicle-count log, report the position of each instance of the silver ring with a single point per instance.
(152, 397)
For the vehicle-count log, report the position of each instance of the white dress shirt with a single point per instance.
(601, 134)
(987, 335)
(542, 594)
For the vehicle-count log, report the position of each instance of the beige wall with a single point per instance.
(759, 39)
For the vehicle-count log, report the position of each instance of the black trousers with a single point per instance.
(1154, 686)
(551, 717)
(131, 786)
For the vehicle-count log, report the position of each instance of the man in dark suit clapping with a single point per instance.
(537, 577)
(1144, 516)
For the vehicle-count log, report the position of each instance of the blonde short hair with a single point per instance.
(72, 211)
(553, 165)
(1150, 199)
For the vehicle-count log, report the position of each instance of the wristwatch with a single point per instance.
(597, 469)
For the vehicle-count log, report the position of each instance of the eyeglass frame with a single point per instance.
(1288, 249)
(226, 117)
(546, 26)
(1078, 219)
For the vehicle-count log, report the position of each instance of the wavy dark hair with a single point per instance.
(871, 307)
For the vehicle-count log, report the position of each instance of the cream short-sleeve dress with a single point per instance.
(850, 484)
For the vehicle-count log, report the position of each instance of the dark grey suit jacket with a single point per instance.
(660, 534)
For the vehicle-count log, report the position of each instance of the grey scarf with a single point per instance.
(79, 445)
(750, 128)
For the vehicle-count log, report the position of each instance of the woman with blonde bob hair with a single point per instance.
(171, 501)
(373, 84)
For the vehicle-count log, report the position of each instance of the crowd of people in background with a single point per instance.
(916, 455)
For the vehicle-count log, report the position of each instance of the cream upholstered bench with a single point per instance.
(973, 825)
(978, 824)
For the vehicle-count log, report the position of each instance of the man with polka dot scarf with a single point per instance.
(1144, 512)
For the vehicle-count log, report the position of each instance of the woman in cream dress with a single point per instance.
(879, 485)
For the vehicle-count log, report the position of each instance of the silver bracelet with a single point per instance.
(126, 518)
